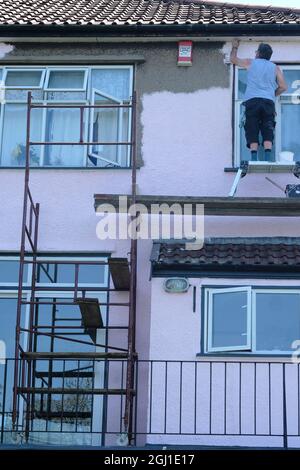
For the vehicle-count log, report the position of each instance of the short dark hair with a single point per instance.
(265, 51)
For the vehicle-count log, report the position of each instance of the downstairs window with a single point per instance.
(248, 319)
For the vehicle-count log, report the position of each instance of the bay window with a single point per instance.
(286, 148)
(69, 85)
(253, 320)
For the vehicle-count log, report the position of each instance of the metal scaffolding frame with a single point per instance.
(123, 276)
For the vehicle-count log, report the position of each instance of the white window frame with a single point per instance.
(252, 292)
(238, 129)
(23, 69)
(212, 292)
(66, 69)
(120, 120)
(131, 90)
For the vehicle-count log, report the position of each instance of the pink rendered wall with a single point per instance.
(186, 143)
(175, 335)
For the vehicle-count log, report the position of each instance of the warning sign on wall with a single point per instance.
(185, 49)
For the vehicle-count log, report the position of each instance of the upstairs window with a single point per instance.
(286, 148)
(70, 85)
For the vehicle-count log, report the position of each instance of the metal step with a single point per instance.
(91, 316)
(71, 391)
(74, 355)
(66, 374)
(62, 414)
(119, 271)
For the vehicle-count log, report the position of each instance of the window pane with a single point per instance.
(66, 95)
(109, 125)
(13, 143)
(245, 153)
(9, 271)
(92, 274)
(229, 322)
(290, 77)
(60, 273)
(114, 82)
(277, 321)
(290, 125)
(66, 79)
(8, 309)
(28, 78)
(63, 125)
(65, 274)
(242, 83)
(21, 95)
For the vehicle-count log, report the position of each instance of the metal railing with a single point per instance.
(227, 403)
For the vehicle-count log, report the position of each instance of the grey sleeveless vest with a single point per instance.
(261, 80)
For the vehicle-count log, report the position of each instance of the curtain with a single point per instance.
(63, 125)
(14, 135)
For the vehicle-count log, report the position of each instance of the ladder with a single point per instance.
(247, 167)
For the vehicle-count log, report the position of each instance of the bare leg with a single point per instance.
(267, 145)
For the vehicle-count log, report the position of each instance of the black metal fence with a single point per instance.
(205, 402)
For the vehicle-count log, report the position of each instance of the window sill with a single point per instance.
(33, 168)
(264, 167)
(239, 356)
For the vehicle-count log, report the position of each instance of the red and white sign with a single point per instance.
(185, 51)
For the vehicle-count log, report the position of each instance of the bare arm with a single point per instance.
(234, 59)
(282, 86)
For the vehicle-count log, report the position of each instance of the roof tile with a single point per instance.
(253, 253)
(146, 12)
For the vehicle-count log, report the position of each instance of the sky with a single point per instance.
(273, 3)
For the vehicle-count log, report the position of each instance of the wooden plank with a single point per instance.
(74, 355)
(91, 316)
(220, 206)
(71, 391)
(119, 270)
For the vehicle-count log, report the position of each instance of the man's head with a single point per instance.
(264, 51)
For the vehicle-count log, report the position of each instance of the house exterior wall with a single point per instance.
(217, 395)
(184, 144)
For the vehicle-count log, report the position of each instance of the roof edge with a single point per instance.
(281, 29)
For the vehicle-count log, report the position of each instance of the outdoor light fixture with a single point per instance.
(176, 285)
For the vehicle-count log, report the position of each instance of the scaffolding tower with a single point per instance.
(34, 387)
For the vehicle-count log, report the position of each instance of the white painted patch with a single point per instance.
(283, 51)
(5, 49)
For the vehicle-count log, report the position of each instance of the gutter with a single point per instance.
(134, 31)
